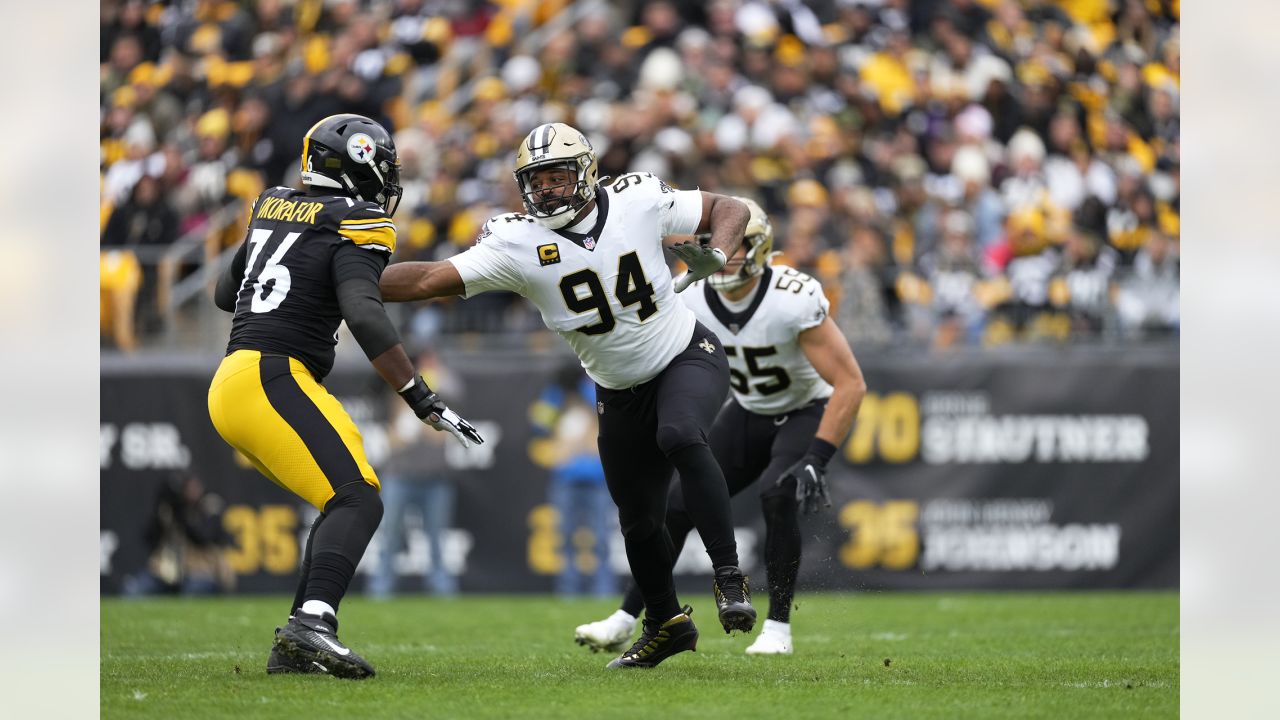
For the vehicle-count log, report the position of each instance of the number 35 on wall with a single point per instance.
(880, 534)
(266, 539)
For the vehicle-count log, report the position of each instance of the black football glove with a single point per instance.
(810, 474)
(431, 410)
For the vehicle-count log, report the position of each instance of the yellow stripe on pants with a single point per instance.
(250, 419)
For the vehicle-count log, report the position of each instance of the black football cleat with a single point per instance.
(659, 641)
(309, 643)
(733, 599)
(279, 662)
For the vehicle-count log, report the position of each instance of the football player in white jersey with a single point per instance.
(796, 390)
(590, 256)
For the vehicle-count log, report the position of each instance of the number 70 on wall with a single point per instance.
(887, 429)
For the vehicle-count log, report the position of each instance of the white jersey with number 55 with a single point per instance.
(603, 284)
(769, 372)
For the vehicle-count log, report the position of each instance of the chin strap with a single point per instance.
(318, 180)
(556, 221)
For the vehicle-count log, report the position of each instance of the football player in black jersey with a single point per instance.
(312, 259)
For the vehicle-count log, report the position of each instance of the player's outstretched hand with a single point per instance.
(811, 483)
(431, 410)
(454, 423)
(701, 259)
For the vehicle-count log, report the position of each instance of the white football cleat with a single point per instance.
(611, 634)
(774, 639)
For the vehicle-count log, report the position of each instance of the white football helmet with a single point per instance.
(556, 145)
(757, 239)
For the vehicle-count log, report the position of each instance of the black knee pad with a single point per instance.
(352, 516)
(362, 497)
(638, 527)
(679, 434)
(779, 501)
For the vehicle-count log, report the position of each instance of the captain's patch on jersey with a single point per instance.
(361, 148)
(548, 254)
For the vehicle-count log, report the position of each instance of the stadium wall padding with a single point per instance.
(1037, 470)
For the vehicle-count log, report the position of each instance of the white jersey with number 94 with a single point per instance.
(603, 284)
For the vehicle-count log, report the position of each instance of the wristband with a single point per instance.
(417, 395)
(822, 450)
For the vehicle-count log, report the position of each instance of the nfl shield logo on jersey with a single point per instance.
(589, 243)
(600, 407)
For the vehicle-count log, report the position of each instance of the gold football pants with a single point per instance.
(272, 410)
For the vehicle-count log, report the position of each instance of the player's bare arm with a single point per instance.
(357, 275)
(406, 281)
(726, 219)
(826, 348)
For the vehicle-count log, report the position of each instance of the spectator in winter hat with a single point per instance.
(1026, 184)
(969, 165)
(1077, 175)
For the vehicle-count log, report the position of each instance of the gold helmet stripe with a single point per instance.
(306, 139)
(306, 144)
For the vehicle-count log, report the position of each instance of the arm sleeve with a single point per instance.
(224, 295)
(681, 212)
(485, 266)
(355, 274)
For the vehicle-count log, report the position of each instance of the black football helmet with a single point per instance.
(354, 155)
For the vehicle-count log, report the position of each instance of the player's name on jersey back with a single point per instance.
(299, 211)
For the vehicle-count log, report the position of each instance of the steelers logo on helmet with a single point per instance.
(361, 148)
(355, 156)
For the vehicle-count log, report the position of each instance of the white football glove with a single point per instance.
(701, 259)
(449, 421)
(431, 410)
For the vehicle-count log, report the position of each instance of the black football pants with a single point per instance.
(751, 447)
(645, 433)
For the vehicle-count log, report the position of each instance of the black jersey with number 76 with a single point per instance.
(288, 303)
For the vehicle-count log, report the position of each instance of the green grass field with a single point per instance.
(878, 655)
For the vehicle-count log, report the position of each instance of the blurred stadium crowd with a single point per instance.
(956, 172)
